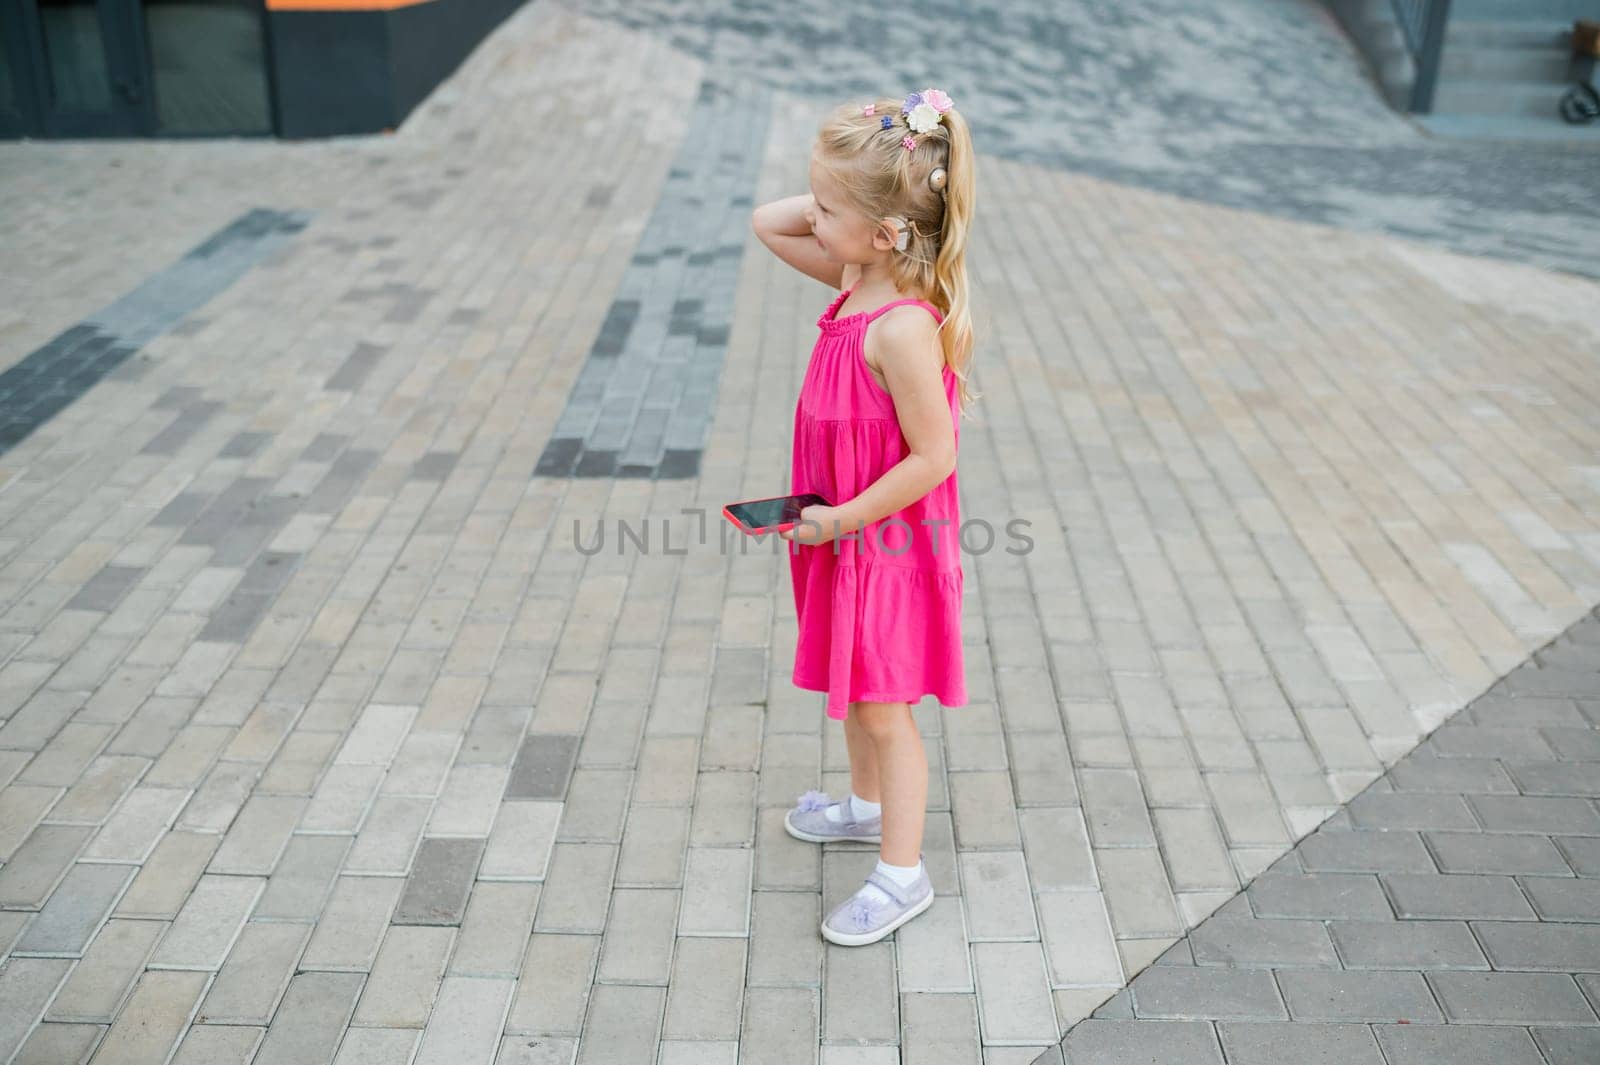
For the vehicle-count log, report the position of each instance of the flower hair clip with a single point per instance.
(923, 111)
(869, 109)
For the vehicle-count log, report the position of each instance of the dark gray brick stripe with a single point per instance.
(52, 376)
(642, 403)
(1449, 914)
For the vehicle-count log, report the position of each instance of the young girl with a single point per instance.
(877, 573)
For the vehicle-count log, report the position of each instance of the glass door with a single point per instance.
(17, 113)
(76, 67)
(127, 68)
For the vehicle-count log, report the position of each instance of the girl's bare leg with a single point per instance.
(902, 776)
(863, 758)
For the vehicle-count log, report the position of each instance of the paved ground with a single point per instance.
(1450, 914)
(325, 741)
(1259, 104)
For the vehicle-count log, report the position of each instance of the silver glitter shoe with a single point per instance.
(809, 821)
(864, 918)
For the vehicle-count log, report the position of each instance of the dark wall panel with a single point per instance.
(364, 71)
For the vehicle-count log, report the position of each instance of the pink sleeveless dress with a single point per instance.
(879, 611)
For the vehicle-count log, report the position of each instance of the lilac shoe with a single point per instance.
(862, 919)
(809, 821)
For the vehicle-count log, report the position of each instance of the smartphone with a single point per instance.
(770, 515)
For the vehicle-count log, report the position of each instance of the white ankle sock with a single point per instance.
(860, 808)
(904, 875)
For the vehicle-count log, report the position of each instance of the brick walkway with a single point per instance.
(323, 740)
(1450, 914)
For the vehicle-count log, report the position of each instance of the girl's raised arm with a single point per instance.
(784, 226)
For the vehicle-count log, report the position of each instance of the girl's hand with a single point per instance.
(818, 525)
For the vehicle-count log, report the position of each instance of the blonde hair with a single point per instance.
(880, 178)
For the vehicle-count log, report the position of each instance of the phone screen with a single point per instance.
(766, 513)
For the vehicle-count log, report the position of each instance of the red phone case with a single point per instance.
(782, 526)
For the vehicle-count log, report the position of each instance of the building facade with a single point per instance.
(185, 68)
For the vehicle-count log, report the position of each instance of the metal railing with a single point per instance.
(1423, 23)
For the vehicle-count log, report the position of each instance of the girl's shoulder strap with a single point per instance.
(937, 314)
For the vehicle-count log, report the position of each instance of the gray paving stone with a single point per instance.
(1306, 1044)
(543, 767)
(1511, 998)
(58, 1044)
(465, 1023)
(218, 1045)
(1056, 844)
(109, 968)
(305, 875)
(96, 793)
(137, 826)
(1490, 852)
(1458, 739)
(1276, 943)
(1524, 813)
(547, 1050)
(353, 924)
(258, 835)
(1181, 993)
(1000, 906)
(706, 990)
(1106, 1042)
(106, 588)
(440, 881)
(1568, 1046)
(1423, 1044)
(640, 933)
(783, 951)
(1197, 859)
(1365, 852)
(1550, 681)
(1115, 808)
(168, 875)
(1456, 896)
(1496, 709)
(212, 917)
(1581, 852)
(622, 1025)
(494, 932)
(405, 977)
(553, 989)
(26, 984)
(939, 1029)
(1420, 945)
(75, 909)
(1456, 776)
(1558, 778)
(1576, 744)
(1319, 895)
(1358, 996)
(1014, 1003)
(1136, 891)
(310, 1020)
(254, 975)
(1372, 809)
(377, 1046)
(153, 1020)
(1545, 946)
(41, 861)
(859, 999)
(1562, 898)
